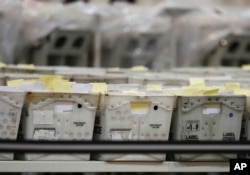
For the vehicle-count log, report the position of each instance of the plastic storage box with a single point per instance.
(131, 117)
(11, 104)
(208, 118)
(60, 116)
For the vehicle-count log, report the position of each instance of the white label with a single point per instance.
(121, 135)
(63, 107)
(38, 86)
(211, 109)
(44, 134)
(79, 87)
(25, 85)
(43, 117)
(31, 86)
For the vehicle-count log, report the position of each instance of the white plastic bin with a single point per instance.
(11, 104)
(60, 116)
(208, 118)
(131, 117)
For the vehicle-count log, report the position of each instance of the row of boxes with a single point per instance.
(185, 110)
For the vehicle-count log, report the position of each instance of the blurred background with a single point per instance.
(106, 33)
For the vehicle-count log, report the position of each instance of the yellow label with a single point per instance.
(130, 92)
(242, 92)
(139, 68)
(26, 66)
(170, 92)
(210, 91)
(2, 65)
(232, 86)
(14, 83)
(99, 87)
(246, 67)
(113, 69)
(47, 78)
(197, 82)
(62, 86)
(139, 105)
(51, 81)
(154, 87)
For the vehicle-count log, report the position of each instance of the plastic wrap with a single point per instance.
(134, 37)
(198, 33)
(38, 19)
(77, 15)
(10, 11)
(44, 22)
(177, 7)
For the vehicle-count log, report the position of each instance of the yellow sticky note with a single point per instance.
(26, 66)
(130, 92)
(2, 65)
(139, 105)
(113, 69)
(62, 86)
(246, 67)
(190, 91)
(14, 83)
(139, 68)
(242, 92)
(99, 87)
(232, 86)
(210, 91)
(170, 92)
(50, 80)
(198, 82)
(154, 87)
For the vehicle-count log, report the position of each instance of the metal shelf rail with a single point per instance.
(115, 147)
(99, 166)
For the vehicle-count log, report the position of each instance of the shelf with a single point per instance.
(99, 166)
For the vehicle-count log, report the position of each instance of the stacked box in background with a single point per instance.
(232, 50)
(65, 47)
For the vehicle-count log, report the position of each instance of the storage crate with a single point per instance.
(15, 76)
(208, 118)
(109, 79)
(138, 49)
(28, 69)
(10, 107)
(59, 116)
(245, 127)
(163, 79)
(233, 50)
(63, 47)
(131, 117)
